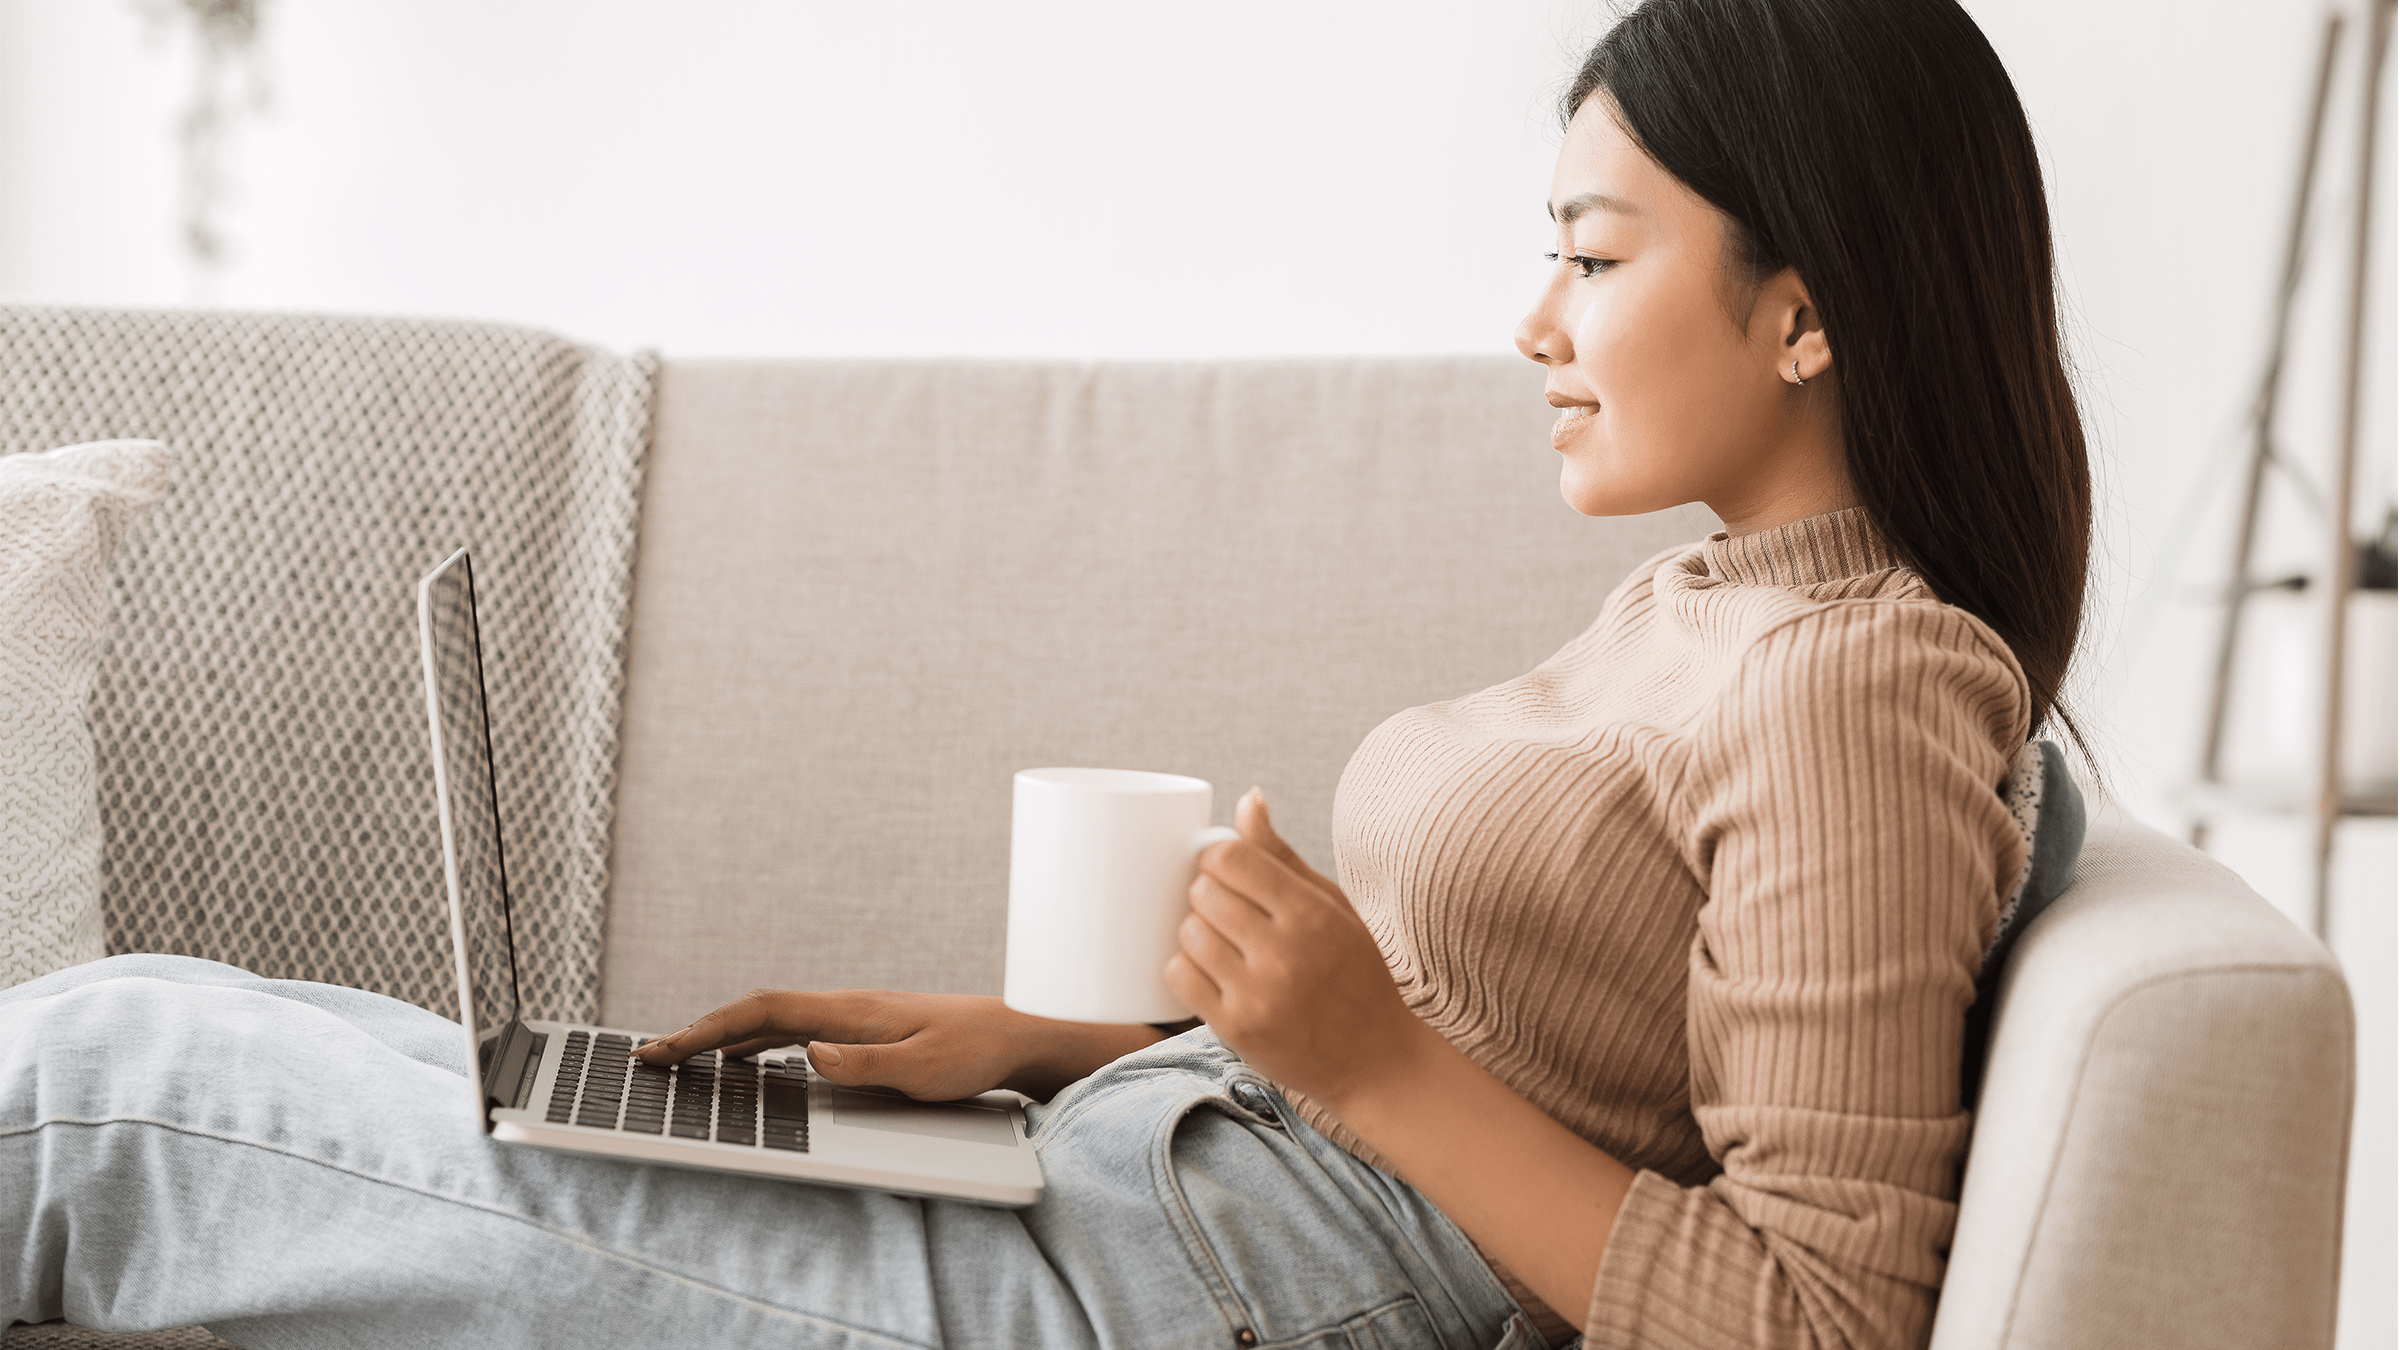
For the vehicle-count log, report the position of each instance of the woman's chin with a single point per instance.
(1600, 494)
(1588, 501)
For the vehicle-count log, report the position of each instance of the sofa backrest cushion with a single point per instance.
(869, 592)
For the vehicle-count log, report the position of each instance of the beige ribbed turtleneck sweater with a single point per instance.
(1710, 886)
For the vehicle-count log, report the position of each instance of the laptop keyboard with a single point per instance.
(757, 1104)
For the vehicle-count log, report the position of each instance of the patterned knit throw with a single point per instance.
(259, 715)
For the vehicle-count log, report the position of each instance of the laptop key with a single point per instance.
(786, 1098)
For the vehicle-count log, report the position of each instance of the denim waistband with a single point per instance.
(1279, 1224)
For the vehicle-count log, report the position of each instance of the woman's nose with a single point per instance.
(1539, 336)
(1530, 345)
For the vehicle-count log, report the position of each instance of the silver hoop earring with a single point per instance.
(1796, 374)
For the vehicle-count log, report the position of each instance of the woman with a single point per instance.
(1637, 1008)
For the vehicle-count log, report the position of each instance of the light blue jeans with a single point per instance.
(295, 1165)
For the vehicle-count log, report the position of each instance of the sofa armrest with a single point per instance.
(2159, 1155)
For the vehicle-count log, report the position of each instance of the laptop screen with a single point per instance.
(469, 805)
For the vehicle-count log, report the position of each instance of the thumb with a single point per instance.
(1257, 828)
(855, 1065)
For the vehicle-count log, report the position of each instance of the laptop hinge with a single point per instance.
(519, 1059)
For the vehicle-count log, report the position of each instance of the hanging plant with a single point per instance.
(226, 81)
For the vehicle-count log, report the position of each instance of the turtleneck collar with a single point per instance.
(1829, 547)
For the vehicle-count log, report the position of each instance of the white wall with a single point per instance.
(759, 176)
(772, 177)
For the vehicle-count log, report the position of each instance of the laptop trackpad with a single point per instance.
(885, 1110)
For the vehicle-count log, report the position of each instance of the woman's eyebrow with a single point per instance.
(1566, 212)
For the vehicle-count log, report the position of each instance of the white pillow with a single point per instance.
(61, 515)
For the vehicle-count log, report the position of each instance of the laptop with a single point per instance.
(575, 1087)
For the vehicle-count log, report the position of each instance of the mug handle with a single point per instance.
(1214, 834)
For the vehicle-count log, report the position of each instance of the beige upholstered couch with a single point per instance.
(867, 591)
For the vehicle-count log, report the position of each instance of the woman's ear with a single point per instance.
(1796, 332)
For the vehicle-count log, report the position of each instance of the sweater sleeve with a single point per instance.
(1845, 820)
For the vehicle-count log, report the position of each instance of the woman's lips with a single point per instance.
(1572, 419)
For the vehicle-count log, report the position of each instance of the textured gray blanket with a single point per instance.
(260, 712)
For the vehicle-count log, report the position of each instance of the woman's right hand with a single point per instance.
(934, 1047)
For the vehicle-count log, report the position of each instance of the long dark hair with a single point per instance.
(1878, 148)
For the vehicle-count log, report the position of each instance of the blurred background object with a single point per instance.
(221, 39)
(2354, 746)
(792, 178)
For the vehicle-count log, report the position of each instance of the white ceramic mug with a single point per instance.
(1100, 864)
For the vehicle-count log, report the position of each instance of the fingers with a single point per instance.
(1208, 947)
(763, 1016)
(1230, 910)
(1254, 825)
(934, 1047)
(1257, 827)
(756, 1044)
(1193, 985)
(1265, 880)
(739, 1050)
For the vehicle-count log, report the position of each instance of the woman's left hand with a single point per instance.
(1276, 961)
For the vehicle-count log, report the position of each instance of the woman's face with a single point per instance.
(1671, 374)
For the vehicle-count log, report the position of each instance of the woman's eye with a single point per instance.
(1586, 266)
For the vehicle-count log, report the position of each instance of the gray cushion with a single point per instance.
(2059, 825)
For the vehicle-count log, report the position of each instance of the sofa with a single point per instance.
(865, 592)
